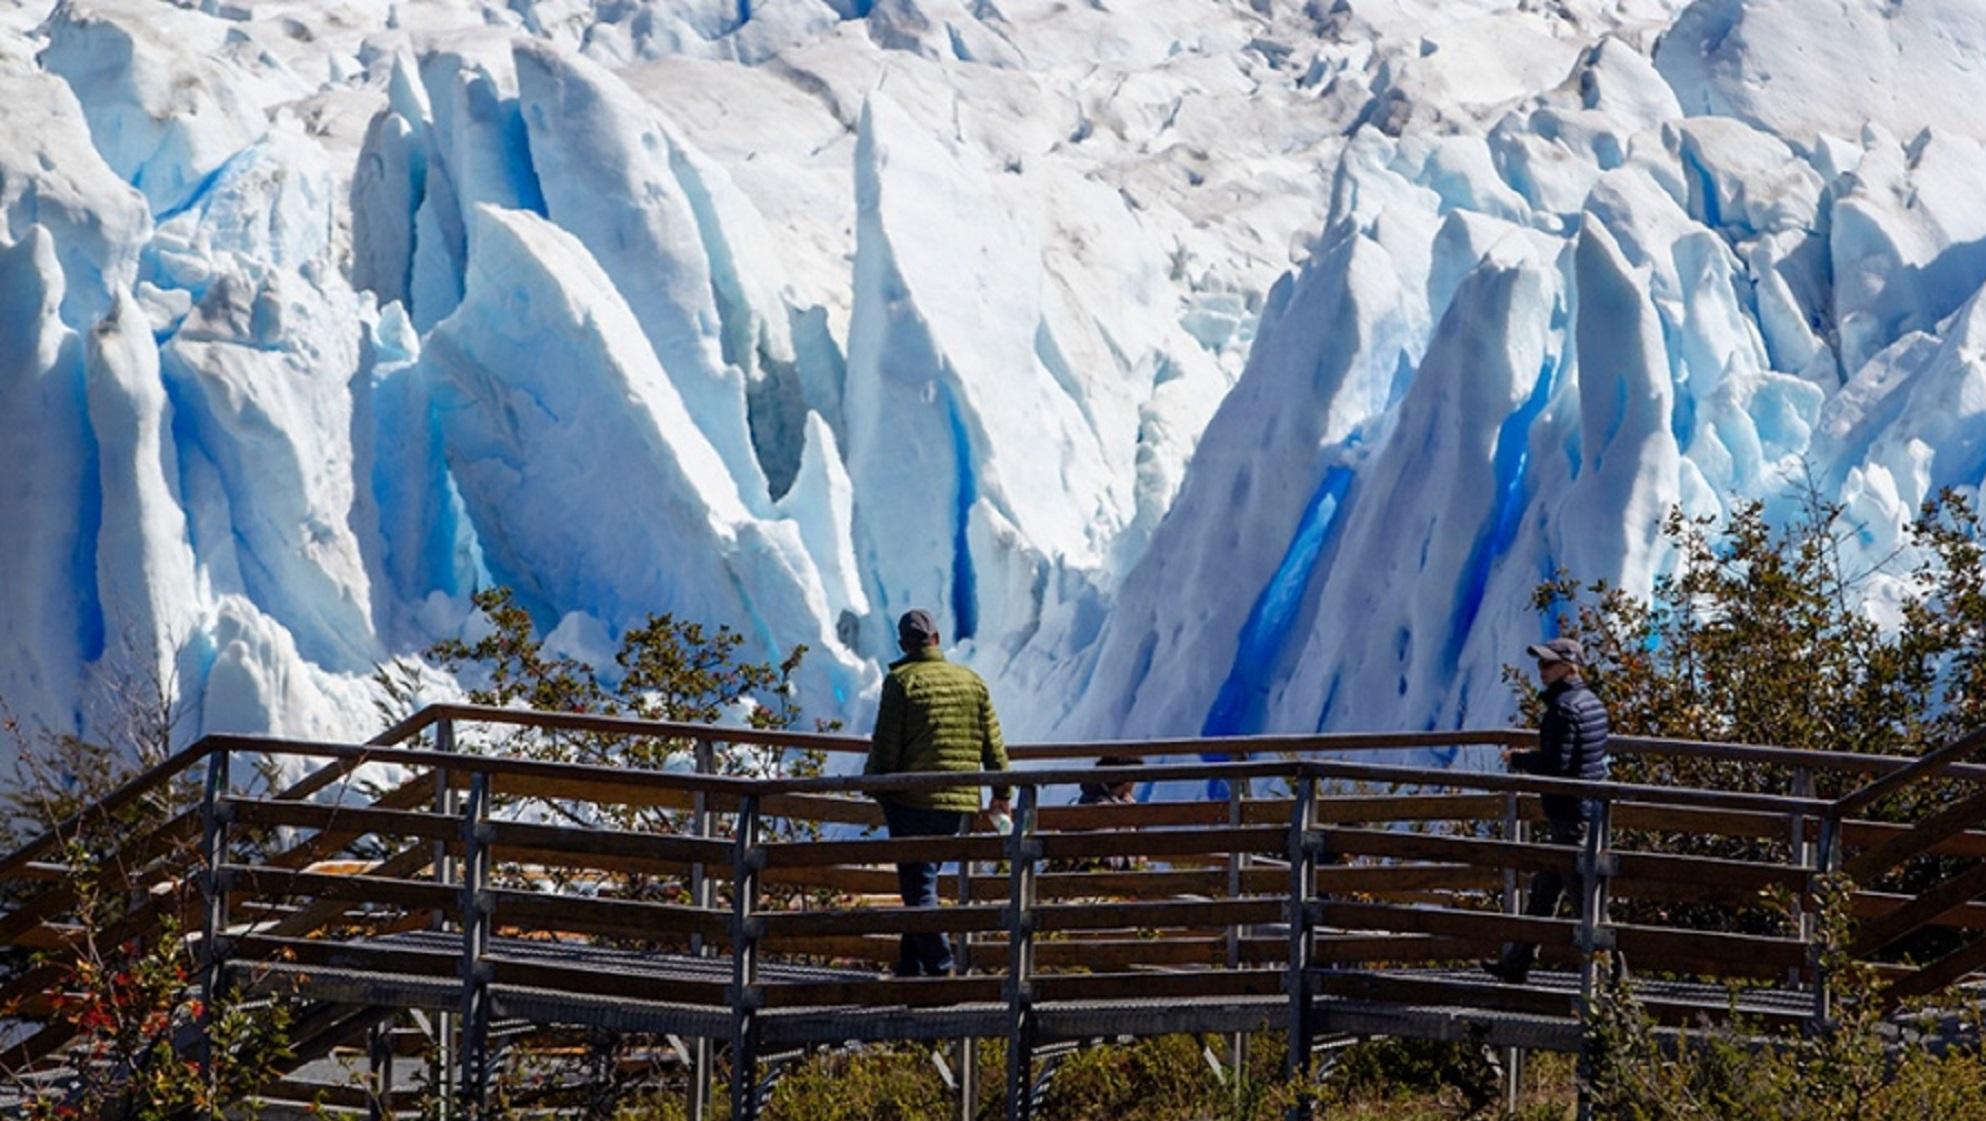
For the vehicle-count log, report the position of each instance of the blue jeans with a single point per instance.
(923, 955)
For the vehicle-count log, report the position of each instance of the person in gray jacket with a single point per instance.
(1572, 743)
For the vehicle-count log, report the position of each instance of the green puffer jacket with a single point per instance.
(936, 716)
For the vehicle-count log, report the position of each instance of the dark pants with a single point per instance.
(923, 955)
(1547, 888)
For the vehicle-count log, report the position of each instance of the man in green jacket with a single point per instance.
(935, 716)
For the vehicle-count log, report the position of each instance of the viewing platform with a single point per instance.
(468, 903)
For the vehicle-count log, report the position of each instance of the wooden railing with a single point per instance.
(1275, 899)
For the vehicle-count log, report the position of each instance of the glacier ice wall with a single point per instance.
(1207, 366)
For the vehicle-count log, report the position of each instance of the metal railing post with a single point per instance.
(214, 815)
(1021, 851)
(1302, 924)
(700, 898)
(1827, 861)
(1595, 868)
(441, 1066)
(968, 1073)
(1513, 904)
(1237, 866)
(476, 906)
(379, 1071)
(1801, 852)
(747, 859)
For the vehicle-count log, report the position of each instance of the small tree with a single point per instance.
(133, 1039)
(1759, 634)
(666, 669)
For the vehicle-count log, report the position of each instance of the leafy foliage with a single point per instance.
(1761, 635)
(1857, 1070)
(666, 669)
(142, 1044)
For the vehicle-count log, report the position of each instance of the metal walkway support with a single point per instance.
(476, 911)
(745, 995)
(1022, 852)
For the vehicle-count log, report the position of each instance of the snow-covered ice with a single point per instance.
(1206, 365)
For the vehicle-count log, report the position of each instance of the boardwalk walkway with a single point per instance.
(1327, 896)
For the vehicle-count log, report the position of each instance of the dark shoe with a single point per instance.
(1504, 971)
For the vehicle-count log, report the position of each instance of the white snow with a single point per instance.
(1206, 365)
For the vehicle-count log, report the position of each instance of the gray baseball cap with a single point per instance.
(1558, 650)
(916, 629)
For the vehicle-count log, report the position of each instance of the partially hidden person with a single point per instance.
(1572, 744)
(1105, 789)
(935, 716)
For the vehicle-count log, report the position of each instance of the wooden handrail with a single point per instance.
(1932, 762)
(1238, 746)
(126, 794)
(1895, 771)
(879, 784)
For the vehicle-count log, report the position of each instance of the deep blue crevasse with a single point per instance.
(1509, 462)
(965, 590)
(89, 525)
(1237, 707)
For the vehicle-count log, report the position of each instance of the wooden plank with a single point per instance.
(1710, 952)
(1868, 905)
(1868, 834)
(1166, 842)
(127, 866)
(614, 918)
(1349, 949)
(1135, 815)
(1386, 879)
(1940, 974)
(1474, 851)
(913, 992)
(883, 920)
(628, 726)
(795, 854)
(308, 919)
(1630, 817)
(811, 807)
(1104, 954)
(1487, 993)
(1144, 883)
(1183, 913)
(419, 894)
(1930, 763)
(600, 790)
(1444, 921)
(410, 960)
(408, 795)
(1926, 908)
(1158, 986)
(1739, 875)
(351, 821)
(1920, 838)
(1346, 809)
(578, 844)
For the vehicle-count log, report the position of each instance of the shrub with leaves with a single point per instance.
(140, 1043)
(666, 669)
(1859, 1068)
(1762, 634)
